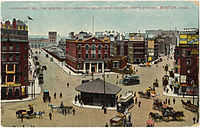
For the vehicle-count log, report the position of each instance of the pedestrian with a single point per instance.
(60, 94)
(129, 117)
(55, 95)
(105, 110)
(21, 117)
(194, 119)
(50, 115)
(174, 100)
(43, 99)
(139, 104)
(73, 111)
(169, 101)
(75, 99)
(68, 85)
(106, 125)
(65, 111)
(136, 100)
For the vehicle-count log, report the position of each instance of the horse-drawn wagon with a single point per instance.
(189, 106)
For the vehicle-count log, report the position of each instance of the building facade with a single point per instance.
(88, 56)
(53, 37)
(14, 60)
(186, 62)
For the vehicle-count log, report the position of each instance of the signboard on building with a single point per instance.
(151, 44)
(189, 39)
(135, 34)
(183, 78)
(136, 39)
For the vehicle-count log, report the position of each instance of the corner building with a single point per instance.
(14, 60)
(88, 56)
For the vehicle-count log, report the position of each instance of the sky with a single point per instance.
(123, 16)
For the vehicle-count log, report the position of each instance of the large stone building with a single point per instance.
(14, 60)
(88, 56)
(53, 37)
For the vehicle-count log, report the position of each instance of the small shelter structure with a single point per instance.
(93, 93)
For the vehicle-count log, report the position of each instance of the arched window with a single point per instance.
(93, 47)
(79, 47)
(99, 47)
(106, 47)
(87, 47)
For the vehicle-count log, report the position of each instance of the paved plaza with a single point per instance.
(55, 80)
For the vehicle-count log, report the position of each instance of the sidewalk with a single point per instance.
(67, 70)
(91, 106)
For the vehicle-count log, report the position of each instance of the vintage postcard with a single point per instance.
(99, 63)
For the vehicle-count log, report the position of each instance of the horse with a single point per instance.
(39, 113)
(53, 107)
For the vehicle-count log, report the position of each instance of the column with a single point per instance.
(84, 67)
(102, 67)
(90, 68)
(97, 67)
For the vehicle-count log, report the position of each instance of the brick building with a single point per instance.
(87, 56)
(186, 63)
(14, 60)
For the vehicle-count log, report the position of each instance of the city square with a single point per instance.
(91, 72)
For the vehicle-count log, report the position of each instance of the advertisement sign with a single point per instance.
(183, 78)
(150, 43)
(189, 39)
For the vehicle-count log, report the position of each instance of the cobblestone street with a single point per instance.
(55, 80)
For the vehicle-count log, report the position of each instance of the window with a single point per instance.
(106, 56)
(25, 47)
(25, 56)
(99, 55)
(79, 65)
(4, 68)
(176, 70)
(93, 47)
(177, 52)
(10, 57)
(79, 47)
(86, 47)
(106, 47)
(25, 67)
(99, 47)
(17, 67)
(3, 79)
(188, 53)
(10, 78)
(17, 79)
(4, 46)
(115, 64)
(86, 56)
(188, 71)
(17, 57)
(10, 67)
(188, 61)
(93, 55)
(25, 79)
(17, 46)
(10, 46)
(4, 57)
(79, 55)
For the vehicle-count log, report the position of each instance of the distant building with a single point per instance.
(38, 42)
(88, 56)
(53, 37)
(14, 60)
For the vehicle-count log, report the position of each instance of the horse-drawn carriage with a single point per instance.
(28, 114)
(146, 95)
(189, 106)
(61, 108)
(169, 115)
